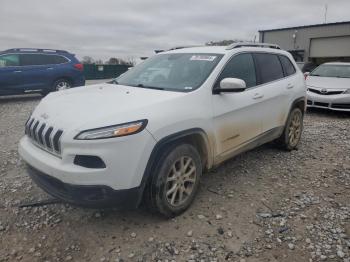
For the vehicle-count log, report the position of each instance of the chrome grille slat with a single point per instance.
(40, 133)
(27, 128)
(34, 130)
(31, 127)
(48, 138)
(44, 136)
(56, 140)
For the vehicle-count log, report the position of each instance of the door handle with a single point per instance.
(290, 86)
(49, 68)
(18, 71)
(258, 96)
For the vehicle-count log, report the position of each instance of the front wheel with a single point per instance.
(175, 181)
(290, 138)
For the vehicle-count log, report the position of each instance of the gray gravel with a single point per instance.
(264, 205)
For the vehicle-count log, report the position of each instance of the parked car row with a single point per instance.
(148, 135)
(38, 71)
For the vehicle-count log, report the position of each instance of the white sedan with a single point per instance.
(328, 86)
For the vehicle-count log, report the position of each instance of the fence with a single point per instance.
(103, 71)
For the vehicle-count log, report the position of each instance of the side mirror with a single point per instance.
(230, 85)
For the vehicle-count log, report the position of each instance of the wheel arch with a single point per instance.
(300, 103)
(195, 136)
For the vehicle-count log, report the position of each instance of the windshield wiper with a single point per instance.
(150, 87)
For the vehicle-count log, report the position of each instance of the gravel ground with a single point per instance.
(264, 205)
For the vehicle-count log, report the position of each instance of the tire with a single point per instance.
(290, 138)
(177, 171)
(61, 84)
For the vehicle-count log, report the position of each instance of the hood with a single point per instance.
(328, 82)
(99, 105)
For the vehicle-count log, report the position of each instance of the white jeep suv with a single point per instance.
(150, 138)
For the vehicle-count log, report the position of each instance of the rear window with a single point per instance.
(40, 59)
(57, 59)
(269, 66)
(287, 65)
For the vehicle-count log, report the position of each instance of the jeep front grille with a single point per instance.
(44, 136)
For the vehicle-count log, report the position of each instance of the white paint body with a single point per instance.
(245, 115)
(326, 85)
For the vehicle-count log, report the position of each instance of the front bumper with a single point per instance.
(94, 196)
(339, 102)
(125, 160)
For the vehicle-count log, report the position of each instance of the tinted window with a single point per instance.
(287, 65)
(242, 67)
(40, 59)
(56, 59)
(269, 66)
(9, 60)
(32, 59)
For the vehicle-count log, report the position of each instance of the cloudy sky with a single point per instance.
(107, 28)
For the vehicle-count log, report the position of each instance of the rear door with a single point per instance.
(36, 72)
(9, 74)
(274, 88)
(236, 115)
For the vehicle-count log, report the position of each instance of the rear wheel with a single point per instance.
(290, 138)
(175, 181)
(61, 84)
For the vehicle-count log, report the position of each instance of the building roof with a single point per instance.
(306, 26)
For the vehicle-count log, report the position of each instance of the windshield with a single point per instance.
(176, 72)
(341, 71)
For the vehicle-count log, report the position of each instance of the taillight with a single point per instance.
(80, 67)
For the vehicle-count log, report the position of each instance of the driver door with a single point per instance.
(237, 118)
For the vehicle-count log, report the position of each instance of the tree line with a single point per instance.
(88, 60)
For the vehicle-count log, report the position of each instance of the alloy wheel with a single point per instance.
(62, 85)
(181, 181)
(295, 129)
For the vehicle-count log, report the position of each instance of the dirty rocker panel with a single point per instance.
(261, 139)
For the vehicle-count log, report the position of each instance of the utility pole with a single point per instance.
(325, 13)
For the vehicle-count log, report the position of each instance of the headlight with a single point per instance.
(347, 91)
(113, 131)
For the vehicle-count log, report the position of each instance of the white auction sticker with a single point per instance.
(203, 57)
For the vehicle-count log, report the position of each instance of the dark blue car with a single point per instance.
(38, 71)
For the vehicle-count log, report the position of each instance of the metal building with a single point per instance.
(319, 43)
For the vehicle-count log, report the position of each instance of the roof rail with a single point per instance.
(251, 44)
(181, 47)
(36, 50)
